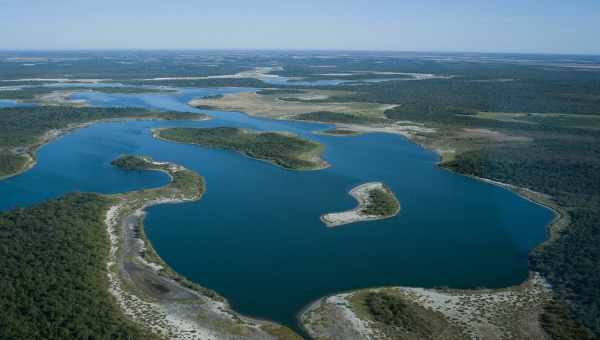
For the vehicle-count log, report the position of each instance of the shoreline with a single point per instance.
(150, 292)
(52, 135)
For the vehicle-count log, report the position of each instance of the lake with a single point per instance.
(256, 238)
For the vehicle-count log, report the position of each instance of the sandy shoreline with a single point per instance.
(148, 291)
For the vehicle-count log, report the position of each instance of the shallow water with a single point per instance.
(256, 237)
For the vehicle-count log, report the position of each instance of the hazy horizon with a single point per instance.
(463, 26)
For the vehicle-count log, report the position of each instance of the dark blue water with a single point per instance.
(256, 238)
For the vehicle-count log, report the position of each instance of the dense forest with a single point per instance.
(336, 117)
(52, 264)
(128, 162)
(382, 202)
(285, 150)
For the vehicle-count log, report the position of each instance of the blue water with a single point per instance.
(255, 237)
(12, 103)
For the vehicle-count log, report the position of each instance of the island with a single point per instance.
(375, 202)
(340, 132)
(283, 149)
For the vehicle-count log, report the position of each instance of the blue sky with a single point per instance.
(460, 25)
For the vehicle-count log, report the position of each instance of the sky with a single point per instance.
(525, 26)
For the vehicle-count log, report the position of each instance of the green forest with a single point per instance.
(52, 264)
(282, 149)
(336, 117)
(382, 203)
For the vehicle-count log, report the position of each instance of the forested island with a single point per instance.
(283, 149)
(375, 201)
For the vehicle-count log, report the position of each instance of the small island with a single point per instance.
(339, 132)
(284, 149)
(375, 202)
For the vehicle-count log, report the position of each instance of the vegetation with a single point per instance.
(336, 117)
(11, 163)
(31, 93)
(128, 162)
(53, 273)
(266, 92)
(382, 202)
(282, 149)
(340, 132)
(398, 318)
(394, 311)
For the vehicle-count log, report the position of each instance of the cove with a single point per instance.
(256, 238)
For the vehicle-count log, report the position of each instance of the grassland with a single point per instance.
(271, 104)
(285, 150)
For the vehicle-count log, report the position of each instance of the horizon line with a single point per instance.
(143, 49)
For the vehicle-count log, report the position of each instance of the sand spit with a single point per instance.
(361, 194)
